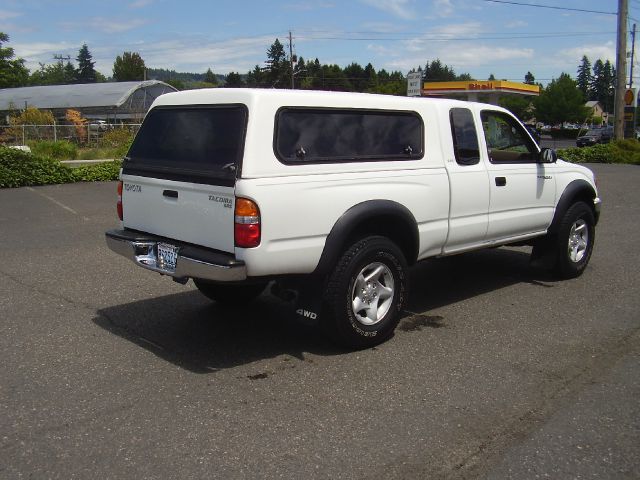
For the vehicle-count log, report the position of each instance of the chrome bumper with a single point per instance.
(192, 262)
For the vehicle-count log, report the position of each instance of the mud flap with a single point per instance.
(544, 253)
(308, 304)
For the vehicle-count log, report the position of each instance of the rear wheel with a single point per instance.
(366, 293)
(230, 294)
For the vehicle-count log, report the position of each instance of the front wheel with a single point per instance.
(366, 293)
(576, 236)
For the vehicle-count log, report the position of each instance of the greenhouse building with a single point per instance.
(114, 102)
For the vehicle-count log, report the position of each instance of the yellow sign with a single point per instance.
(480, 86)
(630, 97)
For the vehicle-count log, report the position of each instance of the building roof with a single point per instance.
(592, 104)
(110, 94)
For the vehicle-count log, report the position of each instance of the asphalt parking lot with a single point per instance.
(497, 371)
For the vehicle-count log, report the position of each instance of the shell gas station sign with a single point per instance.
(471, 89)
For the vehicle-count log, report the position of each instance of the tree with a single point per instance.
(130, 66)
(233, 80)
(85, 72)
(278, 74)
(356, 76)
(13, 73)
(492, 77)
(519, 105)
(603, 84)
(529, 79)
(561, 101)
(436, 71)
(209, 77)
(584, 78)
(57, 73)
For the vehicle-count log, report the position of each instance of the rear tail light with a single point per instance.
(119, 205)
(247, 223)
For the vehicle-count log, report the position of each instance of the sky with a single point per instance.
(478, 37)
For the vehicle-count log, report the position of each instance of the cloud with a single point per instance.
(7, 14)
(398, 8)
(308, 5)
(140, 3)
(106, 25)
(463, 57)
(443, 8)
(516, 24)
(41, 52)
(572, 56)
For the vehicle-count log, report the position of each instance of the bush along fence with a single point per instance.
(89, 134)
(19, 169)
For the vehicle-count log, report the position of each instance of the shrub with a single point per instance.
(99, 172)
(618, 151)
(18, 169)
(61, 150)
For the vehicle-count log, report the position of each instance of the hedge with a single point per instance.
(20, 169)
(619, 151)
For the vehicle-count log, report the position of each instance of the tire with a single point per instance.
(230, 294)
(574, 242)
(365, 293)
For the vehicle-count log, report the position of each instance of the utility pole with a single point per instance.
(291, 59)
(633, 52)
(621, 68)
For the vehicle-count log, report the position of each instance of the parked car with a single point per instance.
(334, 195)
(594, 136)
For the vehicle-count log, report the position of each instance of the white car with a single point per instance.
(332, 196)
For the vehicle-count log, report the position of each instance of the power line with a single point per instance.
(538, 5)
(446, 38)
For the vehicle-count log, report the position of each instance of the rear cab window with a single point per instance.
(465, 136)
(201, 144)
(317, 135)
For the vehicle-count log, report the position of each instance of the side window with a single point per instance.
(506, 139)
(465, 136)
(308, 135)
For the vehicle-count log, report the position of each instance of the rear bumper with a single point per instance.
(192, 262)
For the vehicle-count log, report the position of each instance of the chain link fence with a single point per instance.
(82, 135)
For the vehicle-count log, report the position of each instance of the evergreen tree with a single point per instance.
(492, 77)
(278, 74)
(609, 80)
(209, 77)
(13, 73)
(436, 71)
(356, 77)
(85, 72)
(128, 66)
(529, 79)
(234, 80)
(585, 78)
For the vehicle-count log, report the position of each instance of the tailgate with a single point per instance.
(179, 175)
(194, 213)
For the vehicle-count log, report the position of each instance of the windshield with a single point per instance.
(202, 139)
(593, 133)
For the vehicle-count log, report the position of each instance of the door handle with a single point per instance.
(501, 181)
(170, 193)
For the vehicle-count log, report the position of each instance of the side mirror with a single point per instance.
(548, 155)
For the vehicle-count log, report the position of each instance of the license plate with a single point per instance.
(167, 257)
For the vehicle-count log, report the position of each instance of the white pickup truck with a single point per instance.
(333, 195)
